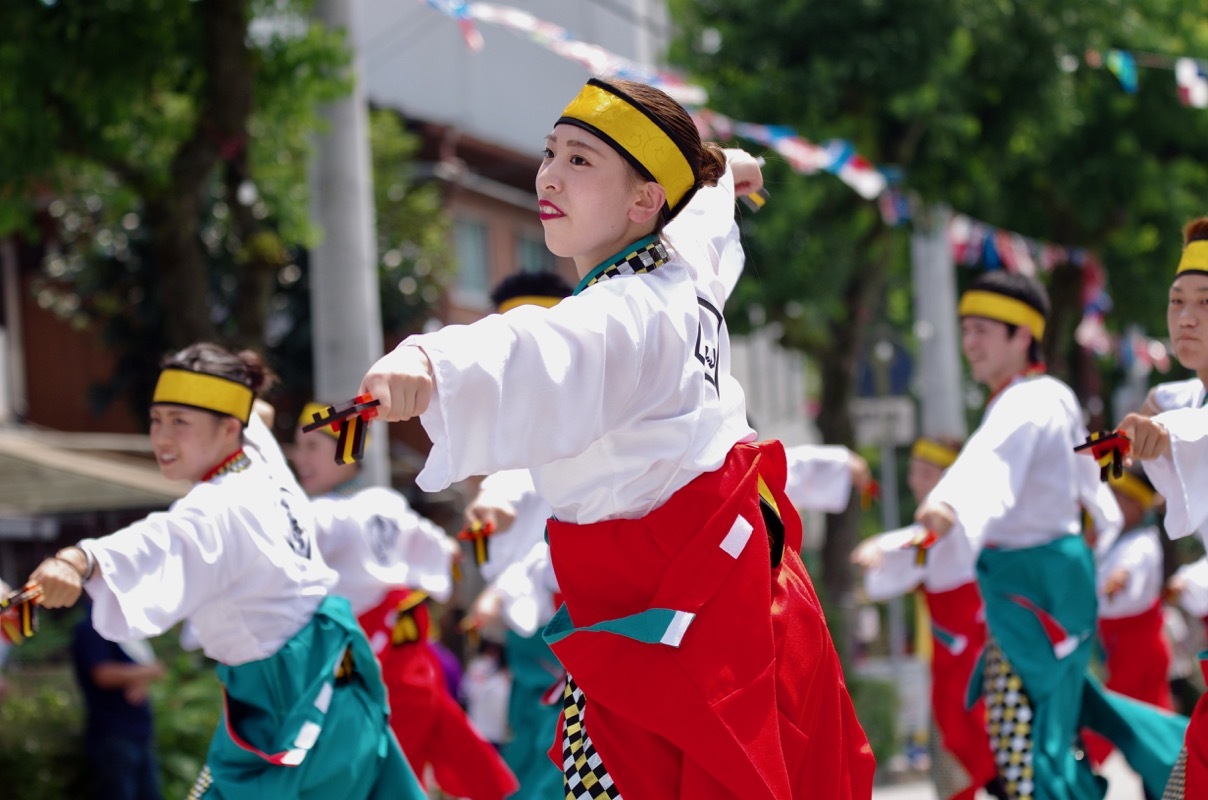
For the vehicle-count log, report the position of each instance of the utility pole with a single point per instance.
(936, 326)
(346, 313)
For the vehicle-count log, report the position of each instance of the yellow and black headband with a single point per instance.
(1195, 258)
(1132, 486)
(636, 134)
(999, 307)
(528, 300)
(308, 416)
(183, 387)
(933, 452)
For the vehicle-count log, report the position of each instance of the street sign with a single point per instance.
(883, 420)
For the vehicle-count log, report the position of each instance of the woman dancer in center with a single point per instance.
(699, 659)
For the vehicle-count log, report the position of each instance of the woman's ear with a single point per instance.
(648, 202)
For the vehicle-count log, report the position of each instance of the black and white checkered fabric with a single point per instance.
(645, 259)
(1176, 786)
(1009, 723)
(583, 773)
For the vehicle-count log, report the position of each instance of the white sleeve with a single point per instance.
(1186, 466)
(706, 232)
(899, 572)
(158, 571)
(1100, 502)
(571, 372)
(420, 553)
(819, 477)
(507, 489)
(986, 479)
(1194, 597)
(526, 599)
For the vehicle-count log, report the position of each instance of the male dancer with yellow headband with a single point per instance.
(1019, 490)
(699, 661)
(305, 713)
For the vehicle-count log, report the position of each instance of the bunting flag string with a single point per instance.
(1190, 74)
(973, 242)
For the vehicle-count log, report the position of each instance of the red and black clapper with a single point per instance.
(18, 614)
(478, 533)
(350, 421)
(922, 541)
(1108, 449)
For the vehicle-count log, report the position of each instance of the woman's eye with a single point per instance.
(547, 153)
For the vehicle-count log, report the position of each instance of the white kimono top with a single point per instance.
(1179, 394)
(1140, 552)
(375, 542)
(1018, 482)
(819, 477)
(950, 563)
(235, 557)
(615, 398)
(1194, 597)
(519, 567)
(1182, 476)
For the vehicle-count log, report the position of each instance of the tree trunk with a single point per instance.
(837, 366)
(173, 219)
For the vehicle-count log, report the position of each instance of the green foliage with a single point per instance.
(42, 717)
(876, 703)
(171, 209)
(414, 260)
(983, 106)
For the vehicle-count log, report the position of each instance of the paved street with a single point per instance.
(1123, 784)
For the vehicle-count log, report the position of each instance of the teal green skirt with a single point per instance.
(310, 722)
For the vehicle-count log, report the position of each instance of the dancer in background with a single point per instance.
(1129, 580)
(389, 562)
(305, 713)
(1019, 491)
(945, 572)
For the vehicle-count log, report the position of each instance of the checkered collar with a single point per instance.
(645, 255)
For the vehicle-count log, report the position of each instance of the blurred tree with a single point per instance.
(159, 153)
(987, 106)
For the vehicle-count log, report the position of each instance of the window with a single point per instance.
(473, 261)
(532, 255)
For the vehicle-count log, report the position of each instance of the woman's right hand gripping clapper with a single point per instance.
(402, 381)
(61, 585)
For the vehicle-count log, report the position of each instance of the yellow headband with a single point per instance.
(308, 416)
(182, 387)
(1132, 486)
(634, 133)
(933, 452)
(1194, 259)
(999, 307)
(528, 300)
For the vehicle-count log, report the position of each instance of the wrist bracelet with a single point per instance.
(70, 563)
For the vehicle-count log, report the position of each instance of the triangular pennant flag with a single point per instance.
(1193, 84)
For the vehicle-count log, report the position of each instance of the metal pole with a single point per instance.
(890, 521)
(345, 307)
(936, 326)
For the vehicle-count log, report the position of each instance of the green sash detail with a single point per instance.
(652, 626)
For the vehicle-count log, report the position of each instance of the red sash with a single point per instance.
(959, 612)
(750, 703)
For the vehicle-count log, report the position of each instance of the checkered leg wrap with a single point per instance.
(202, 785)
(1176, 787)
(1009, 723)
(583, 773)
